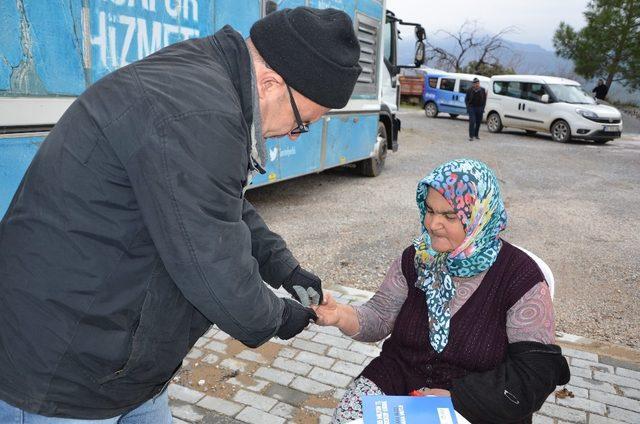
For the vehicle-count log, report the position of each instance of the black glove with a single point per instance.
(304, 286)
(295, 318)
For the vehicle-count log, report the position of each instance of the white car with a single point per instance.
(554, 105)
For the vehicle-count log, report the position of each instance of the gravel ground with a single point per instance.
(575, 205)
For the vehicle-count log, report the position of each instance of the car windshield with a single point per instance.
(571, 94)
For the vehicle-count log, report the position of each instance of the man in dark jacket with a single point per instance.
(600, 91)
(129, 234)
(475, 99)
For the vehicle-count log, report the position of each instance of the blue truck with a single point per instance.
(50, 52)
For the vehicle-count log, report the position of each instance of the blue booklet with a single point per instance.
(408, 410)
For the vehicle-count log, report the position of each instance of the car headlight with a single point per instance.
(587, 113)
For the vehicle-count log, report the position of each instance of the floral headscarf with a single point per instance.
(472, 190)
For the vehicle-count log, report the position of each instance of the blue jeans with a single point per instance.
(475, 120)
(153, 411)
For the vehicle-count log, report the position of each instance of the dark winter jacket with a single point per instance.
(475, 97)
(513, 391)
(600, 91)
(129, 235)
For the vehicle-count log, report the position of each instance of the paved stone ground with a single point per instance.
(301, 380)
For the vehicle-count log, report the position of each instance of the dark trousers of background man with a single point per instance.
(475, 120)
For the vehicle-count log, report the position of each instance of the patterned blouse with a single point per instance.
(530, 319)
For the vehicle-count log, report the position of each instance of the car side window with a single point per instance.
(447, 84)
(514, 89)
(533, 91)
(500, 87)
(433, 82)
(464, 86)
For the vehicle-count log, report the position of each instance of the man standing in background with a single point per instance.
(475, 99)
(600, 90)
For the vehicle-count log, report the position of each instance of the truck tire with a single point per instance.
(372, 167)
(431, 110)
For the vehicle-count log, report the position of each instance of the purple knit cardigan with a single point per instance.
(477, 335)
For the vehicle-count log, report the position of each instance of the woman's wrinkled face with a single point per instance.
(442, 223)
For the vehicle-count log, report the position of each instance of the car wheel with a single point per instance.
(602, 141)
(530, 132)
(453, 115)
(431, 110)
(561, 131)
(494, 123)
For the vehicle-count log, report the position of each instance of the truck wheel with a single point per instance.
(431, 110)
(453, 115)
(372, 167)
(561, 131)
(494, 123)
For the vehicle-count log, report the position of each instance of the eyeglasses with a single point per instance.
(302, 127)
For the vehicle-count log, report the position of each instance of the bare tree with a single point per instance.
(469, 40)
(466, 38)
(490, 46)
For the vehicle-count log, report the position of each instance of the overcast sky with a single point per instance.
(536, 20)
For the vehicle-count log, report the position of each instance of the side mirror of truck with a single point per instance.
(391, 58)
(544, 98)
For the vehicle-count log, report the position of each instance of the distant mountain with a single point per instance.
(525, 58)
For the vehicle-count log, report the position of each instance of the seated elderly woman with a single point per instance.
(470, 315)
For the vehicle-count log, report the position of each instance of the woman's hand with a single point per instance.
(431, 392)
(337, 314)
(328, 311)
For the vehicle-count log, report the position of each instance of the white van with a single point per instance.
(549, 104)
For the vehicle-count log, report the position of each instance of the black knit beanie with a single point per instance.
(315, 51)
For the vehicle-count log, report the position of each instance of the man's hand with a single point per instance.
(304, 286)
(295, 318)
